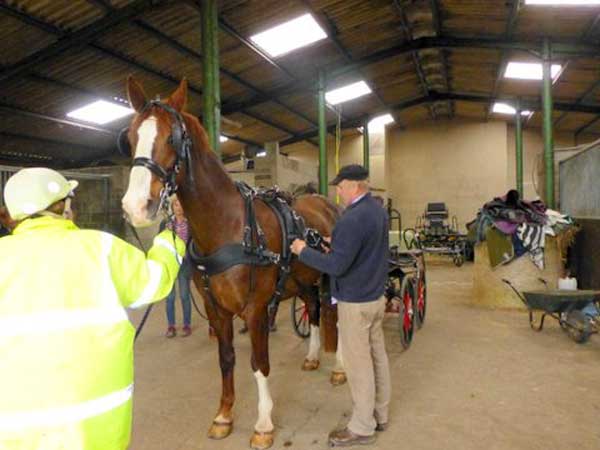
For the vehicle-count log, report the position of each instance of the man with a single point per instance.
(66, 344)
(358, 265)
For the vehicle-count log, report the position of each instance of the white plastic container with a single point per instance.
(567, 284)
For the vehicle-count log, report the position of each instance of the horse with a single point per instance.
(171, 152)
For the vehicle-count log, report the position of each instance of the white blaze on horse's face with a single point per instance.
(136, 199)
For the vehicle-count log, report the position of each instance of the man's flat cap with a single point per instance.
(354, 172)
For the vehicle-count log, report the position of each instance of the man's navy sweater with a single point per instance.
(358, 260)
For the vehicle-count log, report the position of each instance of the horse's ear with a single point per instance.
(179, 98)
(136, 94)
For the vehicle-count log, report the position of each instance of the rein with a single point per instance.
(140, 327)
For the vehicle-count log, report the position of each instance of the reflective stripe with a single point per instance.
(108, 292)
(155, 274)
(166, 244)
(66, 414)
(53, 321)
(106, 241)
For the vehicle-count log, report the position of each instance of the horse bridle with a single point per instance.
(179, 140)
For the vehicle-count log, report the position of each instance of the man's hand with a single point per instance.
(297, 246)
(326, 247)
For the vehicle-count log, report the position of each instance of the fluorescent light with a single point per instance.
(121, 100)
(381, 121)
(529, 71)
(563, 2)
(100, 112)
(348, 92)
(261, 154)
(290, 35)
(223, 138)
(503, 108)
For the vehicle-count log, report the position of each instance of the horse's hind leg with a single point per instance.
(338, 374)
(258, 324)
(222, 322)
(311, 299)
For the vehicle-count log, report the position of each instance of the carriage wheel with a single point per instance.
(407, 311)
(300, 317)
(421, 302)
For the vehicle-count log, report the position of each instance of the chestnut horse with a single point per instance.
(162, 134)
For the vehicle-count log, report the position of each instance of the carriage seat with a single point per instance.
(436, 215)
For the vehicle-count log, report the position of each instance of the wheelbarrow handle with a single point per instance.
(504, 280)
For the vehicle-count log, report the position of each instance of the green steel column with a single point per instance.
(322, 137)
(547, 116)
(519, 149)
(211, 106)
(366, 144)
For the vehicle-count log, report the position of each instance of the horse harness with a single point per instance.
(253, 249)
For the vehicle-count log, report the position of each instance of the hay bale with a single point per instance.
(490, 291)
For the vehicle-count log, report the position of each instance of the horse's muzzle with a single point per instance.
(144, 216)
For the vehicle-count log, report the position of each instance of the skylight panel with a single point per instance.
(100, 112)
(563, 2)
(223, 139)
(348, 92)
(378, 122)
(381, 121)
(529, 71)
(290, 35)
(503, 108)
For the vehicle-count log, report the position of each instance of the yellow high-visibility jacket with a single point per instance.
(66, 344)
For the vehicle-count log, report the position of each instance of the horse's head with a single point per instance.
(158, 143)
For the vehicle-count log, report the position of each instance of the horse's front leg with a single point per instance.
(222, 323)
(258, 325)
(311, 362)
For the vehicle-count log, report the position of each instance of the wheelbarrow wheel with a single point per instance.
(300, 318)
(458, 260)
(407, 311)
(577, 326)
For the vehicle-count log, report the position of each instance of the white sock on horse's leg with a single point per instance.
(314, 344)
(265, 404)
(339, 360)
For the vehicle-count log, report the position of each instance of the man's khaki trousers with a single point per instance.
(366, 363)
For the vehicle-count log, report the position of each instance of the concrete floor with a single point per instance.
(472, 379)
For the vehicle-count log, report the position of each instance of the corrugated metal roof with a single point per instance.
(160, 43)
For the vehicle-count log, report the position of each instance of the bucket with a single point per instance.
(567, 284)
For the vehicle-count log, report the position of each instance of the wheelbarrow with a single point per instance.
(564, 306)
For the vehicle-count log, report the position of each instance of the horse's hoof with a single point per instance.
(261, 440)
(220, 430)
(310, 364)
(338, 378)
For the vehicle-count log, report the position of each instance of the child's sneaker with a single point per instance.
(171, 332)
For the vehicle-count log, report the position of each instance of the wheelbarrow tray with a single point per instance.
(557, 301)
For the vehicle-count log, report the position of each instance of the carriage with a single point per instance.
(434, 233)
(405, 293)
